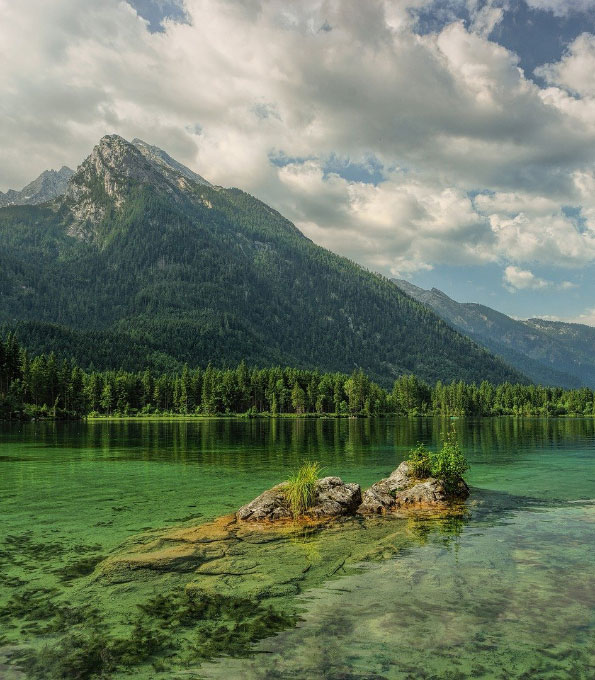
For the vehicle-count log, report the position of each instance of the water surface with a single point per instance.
(508, 592)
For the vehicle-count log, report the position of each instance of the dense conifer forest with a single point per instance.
(44, 386)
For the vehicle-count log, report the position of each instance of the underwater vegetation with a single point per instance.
(78, 568)
(22, 550)
(183, 627)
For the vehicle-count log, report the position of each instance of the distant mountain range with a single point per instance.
(548, 352)
(140, 262)
(50, 184)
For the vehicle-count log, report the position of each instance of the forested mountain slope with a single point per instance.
(549, 352)
(143, 263)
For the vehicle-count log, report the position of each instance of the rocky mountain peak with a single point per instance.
(112, 157)
(49, 185)
(104, 179)
(168, 165)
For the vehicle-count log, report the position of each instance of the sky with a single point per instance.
(448, 142)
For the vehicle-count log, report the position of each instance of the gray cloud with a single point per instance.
(477, 161)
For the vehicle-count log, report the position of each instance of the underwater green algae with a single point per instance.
(505, 591)
(180, 628)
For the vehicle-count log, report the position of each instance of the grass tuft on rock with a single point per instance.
(301, 487)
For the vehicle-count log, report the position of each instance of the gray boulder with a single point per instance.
(402, 489)
(334, 498)
(381, 495)
(271, 504)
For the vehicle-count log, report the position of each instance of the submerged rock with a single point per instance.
(334, 498)
(402, 489)
(271, 560)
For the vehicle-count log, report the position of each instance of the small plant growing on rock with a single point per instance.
(449, 463)
(301, 487)
(420, 462)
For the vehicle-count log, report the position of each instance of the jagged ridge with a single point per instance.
(49, 185)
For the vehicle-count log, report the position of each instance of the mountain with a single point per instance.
(144, 263)
(166, 163)
(48, 185)
(548, 352)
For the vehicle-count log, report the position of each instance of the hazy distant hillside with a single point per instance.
(551, 353)
(142, 261)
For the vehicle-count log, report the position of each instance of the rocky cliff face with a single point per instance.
(103, 179)
(170, 167)
(49, 185)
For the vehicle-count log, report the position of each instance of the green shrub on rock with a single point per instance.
(448, 464)
(420, 462)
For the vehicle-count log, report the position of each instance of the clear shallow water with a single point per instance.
(511, 594)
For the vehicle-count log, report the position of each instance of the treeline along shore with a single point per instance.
(44, 386)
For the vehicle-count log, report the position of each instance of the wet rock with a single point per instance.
(402, 489)
(334, 498)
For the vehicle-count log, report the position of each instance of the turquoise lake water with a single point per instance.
(508, 593)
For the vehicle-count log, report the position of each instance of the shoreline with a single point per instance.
(314, 416)
(292, 416)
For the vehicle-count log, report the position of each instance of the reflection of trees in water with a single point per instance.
(241, 443)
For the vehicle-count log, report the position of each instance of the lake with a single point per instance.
(505, 591)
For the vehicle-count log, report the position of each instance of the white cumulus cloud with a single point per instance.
(519, 279)
(515, 279)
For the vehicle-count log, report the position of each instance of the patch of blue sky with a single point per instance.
(369, 170)
(473, 193)
(536, 36)
(575, 214)
(433, 17)
(484, 284)
(281, 159)
(156, 11)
